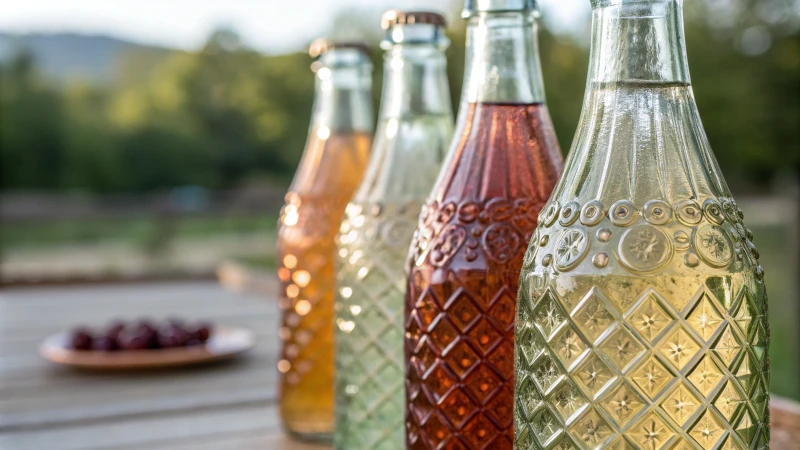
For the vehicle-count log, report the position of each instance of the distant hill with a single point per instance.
(66, 56)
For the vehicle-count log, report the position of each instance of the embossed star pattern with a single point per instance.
(646, 245)
(715, 244)
(570, 345)
(570, 247)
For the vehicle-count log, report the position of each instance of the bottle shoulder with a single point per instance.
(332, 163)
(376, 231)
(641, 143)
(472, 235)
(674, 252)
(406, 158)
(501, 151)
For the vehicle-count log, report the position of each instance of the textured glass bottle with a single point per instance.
(465, 260)
(642, 316)
(415, 126)
(331, 168)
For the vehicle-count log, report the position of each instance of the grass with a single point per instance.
(781, 275)
(138, 230)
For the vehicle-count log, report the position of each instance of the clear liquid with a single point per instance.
(373, 248)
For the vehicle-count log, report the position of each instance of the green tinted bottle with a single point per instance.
(414, 130)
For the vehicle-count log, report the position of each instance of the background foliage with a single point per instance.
(227, 115)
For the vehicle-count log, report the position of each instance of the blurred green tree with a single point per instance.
(226, 114)
(31, 128)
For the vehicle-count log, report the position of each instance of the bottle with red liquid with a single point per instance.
(469, 246)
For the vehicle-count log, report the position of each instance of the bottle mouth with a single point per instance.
(475, 7)
(319, 47)
(334, 54)
(606, 3)
(414, 28)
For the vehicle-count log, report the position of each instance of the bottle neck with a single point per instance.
(640, 137)
(638, 41)
(415, 82)
(343, 94)
(503, 59)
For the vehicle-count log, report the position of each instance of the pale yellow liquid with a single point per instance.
(642, 314)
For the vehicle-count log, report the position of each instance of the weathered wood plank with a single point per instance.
(271, 439)
(127, 396)
(147, 431)
(35, 394)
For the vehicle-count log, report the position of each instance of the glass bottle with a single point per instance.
(465, 260)
(642, 314)
(331, 167)
(415, 127)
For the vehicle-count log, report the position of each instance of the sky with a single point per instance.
(268, 25)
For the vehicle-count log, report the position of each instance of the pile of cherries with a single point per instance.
(143, 334)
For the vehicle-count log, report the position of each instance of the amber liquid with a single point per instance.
(464, 274)
(329, 173)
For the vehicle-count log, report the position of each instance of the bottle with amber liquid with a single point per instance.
(468, 249)
(330, 170)
(415, 127)
(642, 310)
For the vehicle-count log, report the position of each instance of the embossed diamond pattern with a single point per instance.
(679, 348)
(678, 373)
(622, 404)
(707, 431)
(681, 404)
(705, 319)
(546, 372)
(621, 348)
(592, 430)
(705, 376)
(727, 347)
(651, 377)
(593, 316)
(593, 374)
(469, 387)
(483, 383)
(650, 318)
(728, 401)
(545, 425)
(548, 317)
(651, 432)
(370, 403)
(567, 400)
(568, 346)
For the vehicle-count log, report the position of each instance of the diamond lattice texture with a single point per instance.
(654, 376)
(370, 403)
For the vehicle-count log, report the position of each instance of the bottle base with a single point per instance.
(313, 437)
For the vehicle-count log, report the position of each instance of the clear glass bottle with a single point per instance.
(330, 170)
(415, 127)
(503, 164)
(642, 317)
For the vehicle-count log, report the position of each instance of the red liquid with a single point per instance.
(467, 257)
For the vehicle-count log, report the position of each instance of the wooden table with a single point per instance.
(225, 406)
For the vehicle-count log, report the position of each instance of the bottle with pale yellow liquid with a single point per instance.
(642, 315)
(331, 168)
